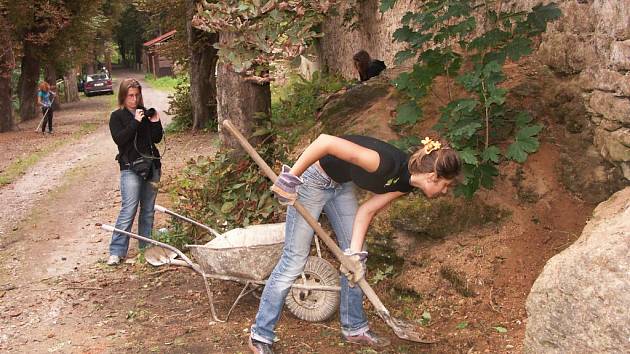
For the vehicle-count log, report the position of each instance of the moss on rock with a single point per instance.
(440, 217)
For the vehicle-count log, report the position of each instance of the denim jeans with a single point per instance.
(134, 191)
(339, 202)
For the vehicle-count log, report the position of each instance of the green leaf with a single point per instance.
(403, 34)
(227, 207)
(518, 47)
(462, 325)
(515, 152)
(491, 154)
(522, 118)
(408, 113)
(402, 81)
(403, 55)
(466, 130)
(469, 156)
(386, 5)
(487, 172)
(529, 131)
(490, 39)
(500, 329)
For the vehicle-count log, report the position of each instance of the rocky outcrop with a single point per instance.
(580, 301)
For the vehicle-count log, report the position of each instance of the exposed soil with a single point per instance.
(58, 296)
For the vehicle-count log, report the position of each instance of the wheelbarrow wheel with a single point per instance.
(315, 305)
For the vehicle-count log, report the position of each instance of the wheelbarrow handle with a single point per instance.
(325, 236)
(162, 209)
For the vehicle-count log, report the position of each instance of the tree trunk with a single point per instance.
(239, 100)
(72, 91)
(203, 61)
(108, 57)
(50, 76)
(7, 64)
(27, 86)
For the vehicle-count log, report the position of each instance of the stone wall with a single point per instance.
(587, 51)
(591, 47)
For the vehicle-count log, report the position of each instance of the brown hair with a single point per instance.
(362, 62)
(444, 161)
(125, 85)
(43, 86)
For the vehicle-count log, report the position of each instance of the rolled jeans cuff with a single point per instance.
(355, 332)
(259, 337)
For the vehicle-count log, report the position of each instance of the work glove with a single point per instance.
(286, 186)
(357, 266)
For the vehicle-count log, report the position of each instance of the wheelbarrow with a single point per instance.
(248, 256)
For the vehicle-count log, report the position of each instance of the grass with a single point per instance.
(165, 83)
(17, 168)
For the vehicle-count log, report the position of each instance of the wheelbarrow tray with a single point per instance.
(251, 252)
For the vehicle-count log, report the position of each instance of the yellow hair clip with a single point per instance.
(430, 145)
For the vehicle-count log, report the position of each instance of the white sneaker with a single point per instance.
(113, 260)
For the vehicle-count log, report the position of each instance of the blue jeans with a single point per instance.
(134, 191)
(339, 202)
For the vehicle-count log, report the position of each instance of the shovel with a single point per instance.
(402, 329)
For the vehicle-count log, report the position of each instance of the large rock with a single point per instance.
(611, 107)
(605, 80)
(611, 145)
(580, 301)
(619, 54)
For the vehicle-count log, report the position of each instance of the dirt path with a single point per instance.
(47, 237)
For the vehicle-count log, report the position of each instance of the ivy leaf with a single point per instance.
(402, 81)
(491, 154)
(403, 55)
(515, 152)
(518, 47)
(386, 5)
(522, 118)
(466, 130)
(525, 143)
(408, 113)
(403, 34)
(487, 172)
(490, 39)
(469, 156)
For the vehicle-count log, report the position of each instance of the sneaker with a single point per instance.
(258, 347)
(368, 338)
(113, 260)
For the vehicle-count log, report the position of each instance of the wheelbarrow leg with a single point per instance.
(211, 300)
(243, 293)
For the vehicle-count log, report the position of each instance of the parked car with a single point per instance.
(97, 83)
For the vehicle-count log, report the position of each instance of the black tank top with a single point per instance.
(392, 174)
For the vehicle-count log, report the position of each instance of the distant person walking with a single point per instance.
(45, 99)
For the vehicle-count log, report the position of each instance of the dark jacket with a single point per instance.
(124, 127)
(375, 68)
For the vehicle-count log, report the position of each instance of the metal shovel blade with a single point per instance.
(157, 256)
(405, 330)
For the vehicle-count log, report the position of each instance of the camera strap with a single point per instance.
(135, 146)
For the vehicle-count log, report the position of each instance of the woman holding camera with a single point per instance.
(135, 131)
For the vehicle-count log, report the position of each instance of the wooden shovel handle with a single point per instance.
(323, 235)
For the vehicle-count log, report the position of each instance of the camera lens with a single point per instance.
(149, 112)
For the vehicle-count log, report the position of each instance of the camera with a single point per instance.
(147, 112)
